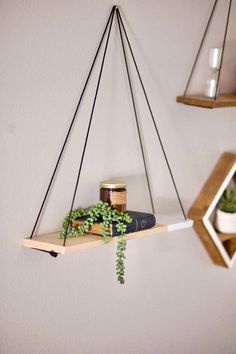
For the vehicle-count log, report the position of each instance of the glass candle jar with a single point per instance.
(215, 58)
(114, 193)
(211, 88)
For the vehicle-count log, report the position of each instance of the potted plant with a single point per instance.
(226, 212)
(105, 215)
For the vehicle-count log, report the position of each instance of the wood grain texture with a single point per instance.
(227, 100)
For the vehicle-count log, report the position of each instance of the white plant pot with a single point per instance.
(225, 222)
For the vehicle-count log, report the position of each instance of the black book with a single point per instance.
(140, 221)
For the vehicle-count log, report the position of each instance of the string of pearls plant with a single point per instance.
(104, 214)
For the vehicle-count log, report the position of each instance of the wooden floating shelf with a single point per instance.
(52, 243)
(227, 100)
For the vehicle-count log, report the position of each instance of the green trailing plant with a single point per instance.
(104, 214)
(227, 202)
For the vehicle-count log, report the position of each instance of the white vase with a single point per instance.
(225, 222)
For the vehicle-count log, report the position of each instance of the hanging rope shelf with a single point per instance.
(51, 243)
(212, 98)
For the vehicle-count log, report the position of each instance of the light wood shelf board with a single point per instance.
(227, 100)
(52, 242)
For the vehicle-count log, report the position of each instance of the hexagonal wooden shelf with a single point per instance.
(221, 247)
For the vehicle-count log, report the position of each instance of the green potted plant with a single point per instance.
(226, 212)
(105, 215)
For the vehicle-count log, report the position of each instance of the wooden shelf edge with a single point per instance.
(195, 101)
(226, 100)
(52, 242)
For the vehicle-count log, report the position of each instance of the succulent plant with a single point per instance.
(227, 202)
(107, 216)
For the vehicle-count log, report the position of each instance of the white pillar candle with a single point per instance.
(214, 58)
(211, 88)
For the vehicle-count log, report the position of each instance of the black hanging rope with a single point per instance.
(223, 49)
(122, 31)
(89, 126)
(200, 47)
(135, 113)
(151, 114)
(71, 126)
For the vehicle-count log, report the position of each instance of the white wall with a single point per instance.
(174, 300)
